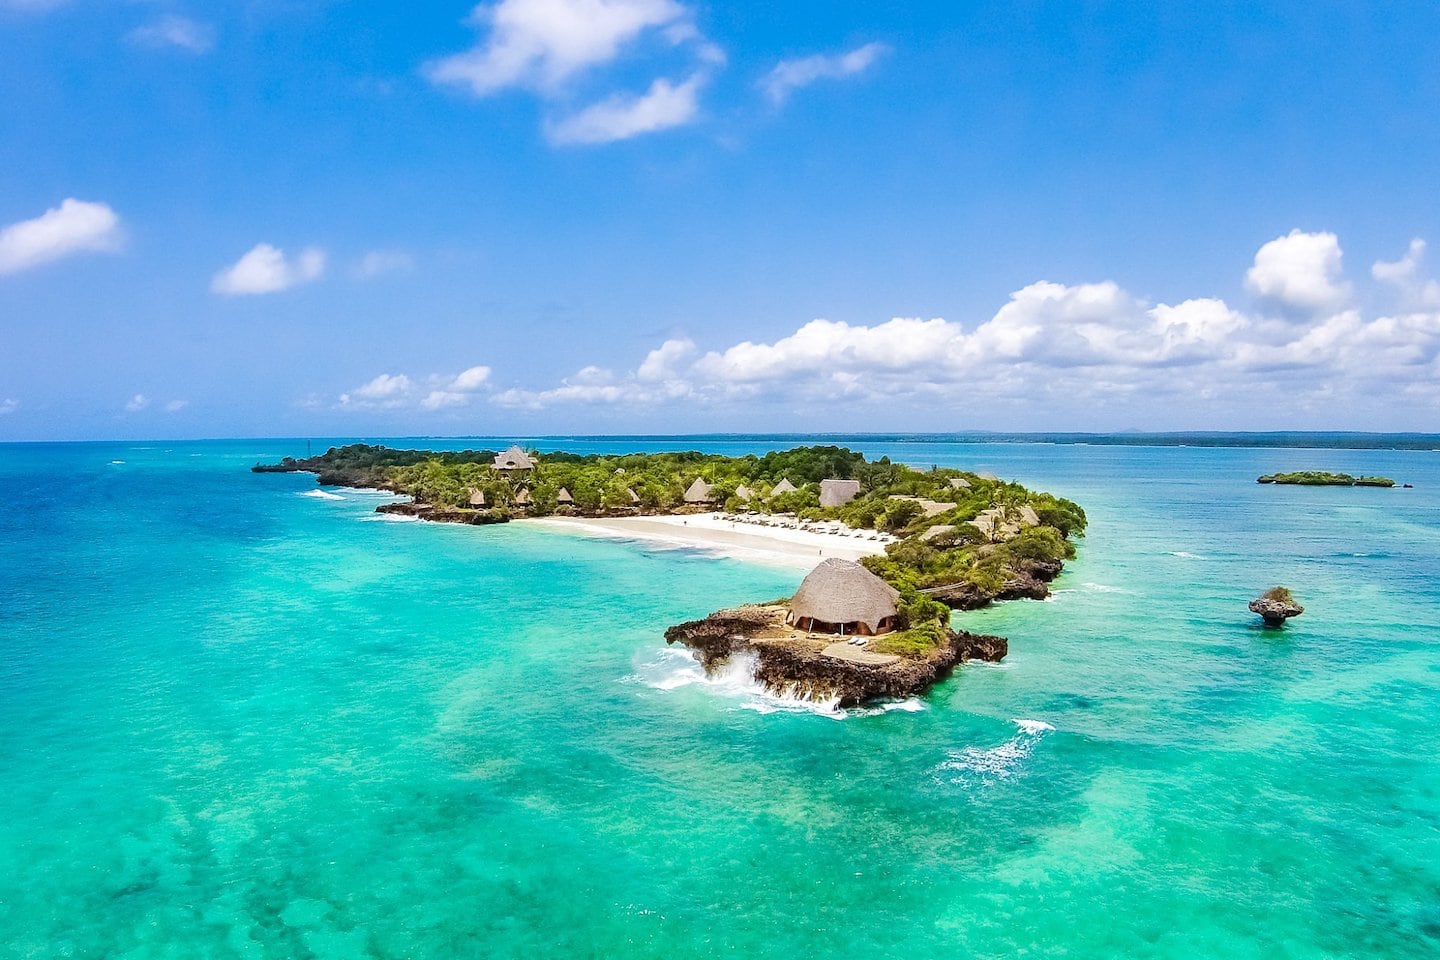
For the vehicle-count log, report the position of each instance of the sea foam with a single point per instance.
(986, 765)
(321, 495)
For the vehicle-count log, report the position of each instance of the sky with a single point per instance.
(288, 218)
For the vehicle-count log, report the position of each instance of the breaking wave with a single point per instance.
(986, 765)
(675, 668)
(321, 495)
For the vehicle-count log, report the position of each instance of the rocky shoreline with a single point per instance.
(791, 663)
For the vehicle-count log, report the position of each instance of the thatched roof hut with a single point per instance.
(840, 596)
(784, 486)
(837, 493)
(514, 459)
(522, 498)
(744, 493)
(699, 492)
(634, 497)
(477, 498)
(564, 497)
(959, 483)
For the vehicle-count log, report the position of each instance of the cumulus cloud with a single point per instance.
(8, 406)
(378, 263)
(266, 269)
(547, 45)
(436, 392)
(175, 32)
(386, 390)
(175, 406)
(621, 116)
(1075, 343)
(137, 403)
(543, 43)
(790, 75)
(1299, 273)
(1404, 275)
(76, 226)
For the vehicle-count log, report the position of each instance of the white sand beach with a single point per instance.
(764, 539)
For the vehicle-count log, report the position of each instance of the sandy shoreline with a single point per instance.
(798, 549)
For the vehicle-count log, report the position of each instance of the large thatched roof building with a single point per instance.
(837, 493)
(840, 596)
(783, 487)
(514, 459)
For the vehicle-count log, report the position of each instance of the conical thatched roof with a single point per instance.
(837, 493)
(514, 459)
(564, 496)
(841, 591)
(959, 483)
(522, 498)
(784, 486)
(477, 498)
(699, 492)
(744, 492)
(634, 497)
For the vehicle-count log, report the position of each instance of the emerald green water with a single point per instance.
(241, 720)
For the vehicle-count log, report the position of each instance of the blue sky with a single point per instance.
(555, 216)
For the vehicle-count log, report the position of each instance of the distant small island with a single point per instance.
(952, 540)
(1315, 478)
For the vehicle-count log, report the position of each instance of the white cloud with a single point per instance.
(1404, 275)
(543, 43)
(548, 45)
(791, 75)
(1071, 345)
(8, 406)
(471, 380)
(396, 390)
(177, 32)
(661, 363)
(75, 226)
(378, 263)
(175, 406)
(386, 390)
(137, 403)
(1300, 273)
(265, 269)
(621, 116)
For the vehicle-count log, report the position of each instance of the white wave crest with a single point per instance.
(387, 518)
(1186, 555)
(965, 767)
(674, 668)
(1103, 588)
(321, 495)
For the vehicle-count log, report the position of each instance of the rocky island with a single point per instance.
(1275, 606)
(1317, 478)
(952, 540)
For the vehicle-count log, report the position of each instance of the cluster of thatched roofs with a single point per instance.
(833, 493)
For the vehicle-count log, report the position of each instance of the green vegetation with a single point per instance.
(1279, 595)
(954, 528)
(1316, 478)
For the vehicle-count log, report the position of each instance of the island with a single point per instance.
(1276, 605)
(1316, 478)
(939, 540)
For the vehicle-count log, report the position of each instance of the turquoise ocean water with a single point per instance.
(239, 719)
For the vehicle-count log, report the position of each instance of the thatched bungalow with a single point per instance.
(699, 492)
(837, 493)
(514, 459)
(564, 499)
(477, 499)
(959, 483)
(743, 492)
(522, 498)
(634, 497)
(784, 486)
(842, 597)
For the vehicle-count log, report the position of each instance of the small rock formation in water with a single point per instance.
(1276, 605)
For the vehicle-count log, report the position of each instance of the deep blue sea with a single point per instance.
(244, 718)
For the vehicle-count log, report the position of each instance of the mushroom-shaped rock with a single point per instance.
(1276, 606)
